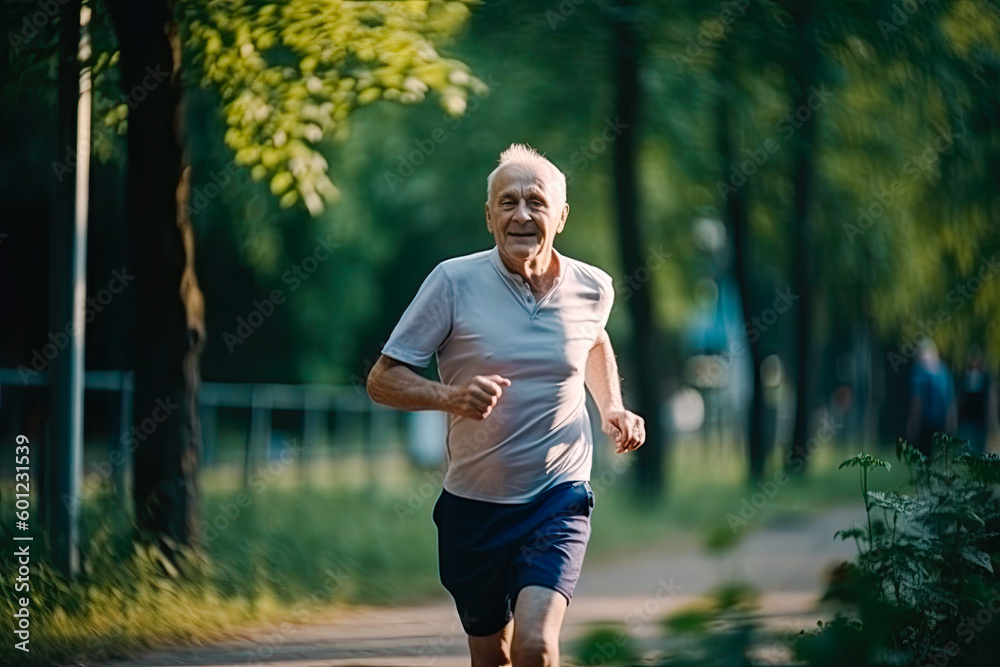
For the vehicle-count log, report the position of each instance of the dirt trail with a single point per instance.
(786, 560)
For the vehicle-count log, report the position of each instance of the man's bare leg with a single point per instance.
(538, 620)
(492, 650)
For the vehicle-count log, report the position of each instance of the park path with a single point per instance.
(787, 560)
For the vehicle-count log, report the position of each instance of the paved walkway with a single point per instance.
(787, 560)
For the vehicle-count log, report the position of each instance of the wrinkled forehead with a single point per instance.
(524, 178)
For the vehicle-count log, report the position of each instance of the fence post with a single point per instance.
(313, 426)
(124, 468)
(249, 453)
(209, 434)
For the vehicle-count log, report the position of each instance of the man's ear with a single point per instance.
(489, 226)
(562, 220)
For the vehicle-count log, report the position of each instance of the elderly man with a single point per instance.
(518, 332)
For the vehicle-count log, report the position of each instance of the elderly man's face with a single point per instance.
(524, 212)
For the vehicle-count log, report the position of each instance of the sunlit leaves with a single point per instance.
(291, 73)
(866, 461)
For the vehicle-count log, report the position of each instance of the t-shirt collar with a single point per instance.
(516, 279)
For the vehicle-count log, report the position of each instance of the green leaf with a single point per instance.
(977, 557)
(865, 461)
(290, 75)
(898, 502)
(851, 533)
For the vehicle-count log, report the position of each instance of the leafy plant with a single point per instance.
(865, 462)
(923, 589)
(724, 624)
(610, 645)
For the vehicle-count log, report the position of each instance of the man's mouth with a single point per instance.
(522, 234)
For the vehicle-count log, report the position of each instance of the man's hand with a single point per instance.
(476, 399)
(627, 428)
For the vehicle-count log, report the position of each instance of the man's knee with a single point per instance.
(534, 641)
(535, 647)
(494, 656)
(491, 651)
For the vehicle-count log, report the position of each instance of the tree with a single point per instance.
(288, 77)
(737, 221)
(627, 47)
(803, 78)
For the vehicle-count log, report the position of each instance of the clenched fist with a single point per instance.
(627, 428)
(476, 398)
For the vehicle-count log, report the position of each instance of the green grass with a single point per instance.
(334, 534)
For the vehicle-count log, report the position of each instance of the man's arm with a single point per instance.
(393, 383)
(627, 428)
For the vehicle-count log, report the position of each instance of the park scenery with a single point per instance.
(214, 213)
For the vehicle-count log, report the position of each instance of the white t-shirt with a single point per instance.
(480, 319)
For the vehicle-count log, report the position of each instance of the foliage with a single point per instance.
(271, 561)
(289, 74)
(610, 645)
(724, 624)
(923, 587)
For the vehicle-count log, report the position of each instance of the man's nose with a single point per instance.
(521, 213)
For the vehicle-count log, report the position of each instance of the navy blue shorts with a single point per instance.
(488, 552)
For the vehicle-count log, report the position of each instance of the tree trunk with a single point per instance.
(803, 78)
(650, 456)
(735, 213)
(170, 331)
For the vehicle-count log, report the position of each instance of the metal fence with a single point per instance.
(361, 426)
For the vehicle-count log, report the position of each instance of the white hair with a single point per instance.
(526, 155)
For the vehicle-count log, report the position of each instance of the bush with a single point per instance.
(923, 589)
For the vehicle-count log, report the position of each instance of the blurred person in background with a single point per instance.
(518, 333)
(977, 402)
(932, 399)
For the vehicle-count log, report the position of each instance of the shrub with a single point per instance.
(923, 590)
